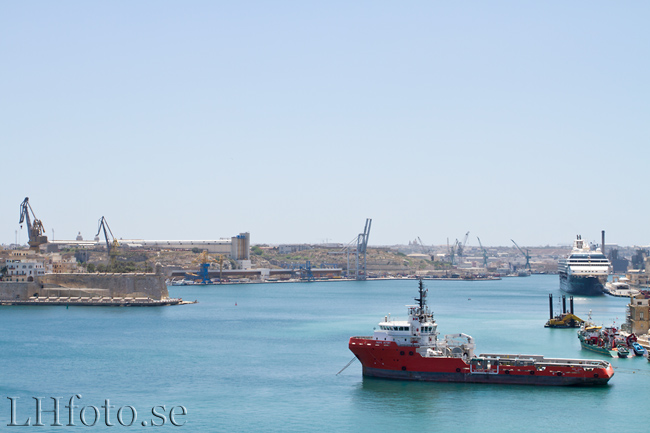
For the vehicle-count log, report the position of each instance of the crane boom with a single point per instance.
(485, 254)
(524, 253)
(461, 246)
(110, 245)
(35, 229)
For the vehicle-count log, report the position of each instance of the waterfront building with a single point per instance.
(640, 278)
(638, 314)
(23, 270)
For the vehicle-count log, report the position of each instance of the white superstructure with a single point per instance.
(584, 271)
(584, 262)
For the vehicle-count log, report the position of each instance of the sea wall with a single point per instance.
(13, 290)
(122, 285)
(112, 285)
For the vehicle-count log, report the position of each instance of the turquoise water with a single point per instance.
(264, 357)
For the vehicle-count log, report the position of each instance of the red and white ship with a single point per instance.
(411, 350)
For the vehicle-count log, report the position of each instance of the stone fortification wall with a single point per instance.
(112, 285)
(121, 285)
(13, 290)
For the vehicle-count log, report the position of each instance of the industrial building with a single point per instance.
(237, 248)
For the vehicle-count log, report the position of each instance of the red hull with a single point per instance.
(389, 360)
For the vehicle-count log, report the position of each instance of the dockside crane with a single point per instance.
(460, 247)
(204, 261)
(485, 254)
(526, 255)
(111, 246)
(359, 246)
(427, 250)
(451, 250)
(362, 246)
(34, 229)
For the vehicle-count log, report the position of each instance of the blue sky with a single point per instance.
(296, 121)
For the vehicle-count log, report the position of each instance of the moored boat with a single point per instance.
(583, 271)
(411, 350)
(599, 339)
(638, 349)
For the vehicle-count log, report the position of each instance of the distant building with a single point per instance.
(289, 249)
(619, 264)
(62, 265)
(640, 278)
(23, 270)
(638, 319)
(240, 250)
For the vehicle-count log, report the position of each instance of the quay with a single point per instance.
(96, 302)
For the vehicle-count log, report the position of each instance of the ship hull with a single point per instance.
(391, 361)
(598, 349)
(500, 379)
(586, 286)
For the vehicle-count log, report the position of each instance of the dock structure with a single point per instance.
(95, 301)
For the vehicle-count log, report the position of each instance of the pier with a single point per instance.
(96, 302)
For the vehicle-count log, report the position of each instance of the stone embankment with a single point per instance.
(86, 289)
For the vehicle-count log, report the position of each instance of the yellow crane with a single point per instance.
(204, 261)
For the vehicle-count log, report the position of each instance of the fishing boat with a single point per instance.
(599, 339)
(412, 350)
(623, 351)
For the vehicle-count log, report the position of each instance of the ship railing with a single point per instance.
(546, 361)
(576, 362)
(513, 357)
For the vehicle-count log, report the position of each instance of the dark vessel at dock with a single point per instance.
(583, 271)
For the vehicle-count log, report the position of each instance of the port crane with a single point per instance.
(34, 229)
(485, 254)
(460, 246)
(204, 261)
(359, 249)
(426, 250)
(526, 255)
(451, 251)
(111, 246)
(362, 246)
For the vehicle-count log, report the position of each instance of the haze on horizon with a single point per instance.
(297, 121)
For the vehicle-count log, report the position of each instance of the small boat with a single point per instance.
(623, 351)
(638, 349)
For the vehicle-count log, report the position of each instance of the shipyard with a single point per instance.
(325, 216)
(111, 271)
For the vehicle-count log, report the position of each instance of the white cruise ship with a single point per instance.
(584, 271)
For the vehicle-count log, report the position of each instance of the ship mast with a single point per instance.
(422, 300)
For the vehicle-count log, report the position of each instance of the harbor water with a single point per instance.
(265, 357)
